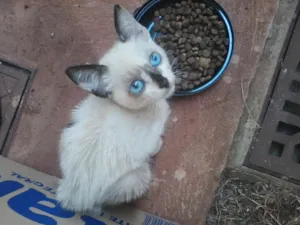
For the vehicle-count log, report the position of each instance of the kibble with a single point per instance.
(206, 53)
(193, 33)
(191, 60)
(167, 17)
(204, 62)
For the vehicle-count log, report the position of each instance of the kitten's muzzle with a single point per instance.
(159, 79)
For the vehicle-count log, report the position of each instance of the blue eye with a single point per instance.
(137, 87)
(155, 59)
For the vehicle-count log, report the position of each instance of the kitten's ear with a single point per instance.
(126, 26)
(90, 78)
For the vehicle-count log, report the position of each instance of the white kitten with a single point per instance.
(105, 152)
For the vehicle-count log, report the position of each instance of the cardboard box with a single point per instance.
(27, 198)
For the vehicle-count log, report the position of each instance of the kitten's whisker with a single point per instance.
(178, 74)
(176, 71)
(175, 60)
(175, 66)
(179, 71)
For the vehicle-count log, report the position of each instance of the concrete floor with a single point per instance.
(54, 34)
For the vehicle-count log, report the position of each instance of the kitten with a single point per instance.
(105, 152)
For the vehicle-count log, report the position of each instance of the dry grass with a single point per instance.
(240, 202)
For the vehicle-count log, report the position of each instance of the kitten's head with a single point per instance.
(135, 72)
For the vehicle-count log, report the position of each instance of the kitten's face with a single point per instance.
(135, 73)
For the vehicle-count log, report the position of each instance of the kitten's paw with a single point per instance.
(97, 211)
(158, 147)
(66, 203)
(67, 199)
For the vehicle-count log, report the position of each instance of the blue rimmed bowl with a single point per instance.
(145, 15)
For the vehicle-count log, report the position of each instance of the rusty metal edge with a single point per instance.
(246, 173)
(260, 84)
(266, 103)
(31, 70)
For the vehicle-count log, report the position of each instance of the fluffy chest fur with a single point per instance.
(109, 137)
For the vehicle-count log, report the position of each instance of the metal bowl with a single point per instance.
(145, 15)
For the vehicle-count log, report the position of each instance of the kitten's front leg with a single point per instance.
(158, 147)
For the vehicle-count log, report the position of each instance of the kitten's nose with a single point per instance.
(157, 77)
(164, 83)
(161, 81)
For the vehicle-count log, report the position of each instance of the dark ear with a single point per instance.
(126, 26)
(90, 78)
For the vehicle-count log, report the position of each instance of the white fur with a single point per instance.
(104, 156)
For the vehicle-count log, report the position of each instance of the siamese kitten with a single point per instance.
(105, 152)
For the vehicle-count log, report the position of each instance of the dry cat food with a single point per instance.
(194, 35)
